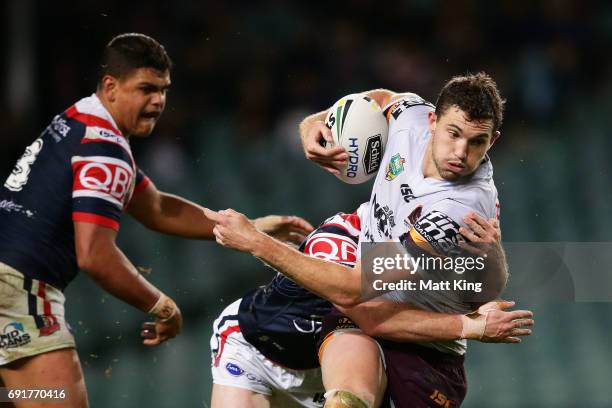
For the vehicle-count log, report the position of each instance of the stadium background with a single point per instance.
(245, 73)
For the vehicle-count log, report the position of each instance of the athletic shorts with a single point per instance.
(417, 376)
(31, 317)
(237, 363)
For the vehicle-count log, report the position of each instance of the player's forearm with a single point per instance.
(111, 270)
(337, 283)
(181, 217)
(404, 323)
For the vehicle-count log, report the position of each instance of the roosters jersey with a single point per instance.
(80, 169)
(426, 211)
(282, 319)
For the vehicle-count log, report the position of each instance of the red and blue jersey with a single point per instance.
(282, 319)
(81, 168)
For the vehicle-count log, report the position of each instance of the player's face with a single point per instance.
(138, 100)
(458, 144)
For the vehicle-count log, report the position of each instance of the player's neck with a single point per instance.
(110, 109)
(430, 170)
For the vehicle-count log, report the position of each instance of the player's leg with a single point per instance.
(57, 369)
(227, 396)
(353, 371)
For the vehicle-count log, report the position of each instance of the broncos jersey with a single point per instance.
(282, 319)
(80, 169)
(425, 211)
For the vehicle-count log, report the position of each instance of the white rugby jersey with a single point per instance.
(430, 210)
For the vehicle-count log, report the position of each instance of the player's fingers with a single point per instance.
(212, 215)
(521, 314)
(296, 238)
(151, 342)
(475, 227)
(298, 224)
(522, 323)
(333, 170)
(521, 332)
(469, 234)
(319, 152)
(512, 340)
(506, 304)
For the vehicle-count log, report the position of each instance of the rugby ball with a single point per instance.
(358, 124)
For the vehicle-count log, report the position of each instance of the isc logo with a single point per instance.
(102, 177)
(332, 247)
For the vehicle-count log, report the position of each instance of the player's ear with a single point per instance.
(432, 118)
(109, 87)
(496, 135)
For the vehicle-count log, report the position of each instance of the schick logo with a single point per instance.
(373, 154)
(353, 165)
(13, 336)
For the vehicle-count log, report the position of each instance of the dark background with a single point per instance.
(245, 74)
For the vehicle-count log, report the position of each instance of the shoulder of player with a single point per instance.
(400, 103)
(479, 196)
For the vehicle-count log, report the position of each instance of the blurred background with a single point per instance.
(245, 74)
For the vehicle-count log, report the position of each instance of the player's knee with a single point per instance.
(344, 399)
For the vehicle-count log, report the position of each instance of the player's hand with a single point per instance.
(493, 324)
(314, 141)
(482, 234)
(157, 332)
(284, 227)
(233, 229)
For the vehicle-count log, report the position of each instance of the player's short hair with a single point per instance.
(476, 95)
(130, 51)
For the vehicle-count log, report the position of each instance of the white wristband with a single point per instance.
(164, 309)
(473, 326)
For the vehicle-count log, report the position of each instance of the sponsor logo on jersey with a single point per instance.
(395, 167)
(440, 231)
(373, 154)
(384, 217)
(102, 177)
(406, 102)
(332, 247)
(407, 193)
(58, 129)
(234, 370)
(13, 335)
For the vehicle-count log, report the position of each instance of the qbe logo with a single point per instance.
(234, 370)
(102, 177)
(332, 247)
(13, 335)
(373, 154)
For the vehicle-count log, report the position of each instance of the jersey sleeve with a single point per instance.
(410, 108)
(103, 180)
(435, 230)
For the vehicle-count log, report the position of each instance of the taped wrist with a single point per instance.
(164, 309)
(474, 326)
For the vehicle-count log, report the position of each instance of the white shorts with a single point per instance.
(236, 363)
(31, 317)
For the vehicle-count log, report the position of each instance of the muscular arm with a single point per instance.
(98, 254)
(170, 214)
(404, 322)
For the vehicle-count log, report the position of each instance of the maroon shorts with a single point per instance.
(417, 376)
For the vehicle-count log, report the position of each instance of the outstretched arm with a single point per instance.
(174, 215)
(407, 323)
(337, 283)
